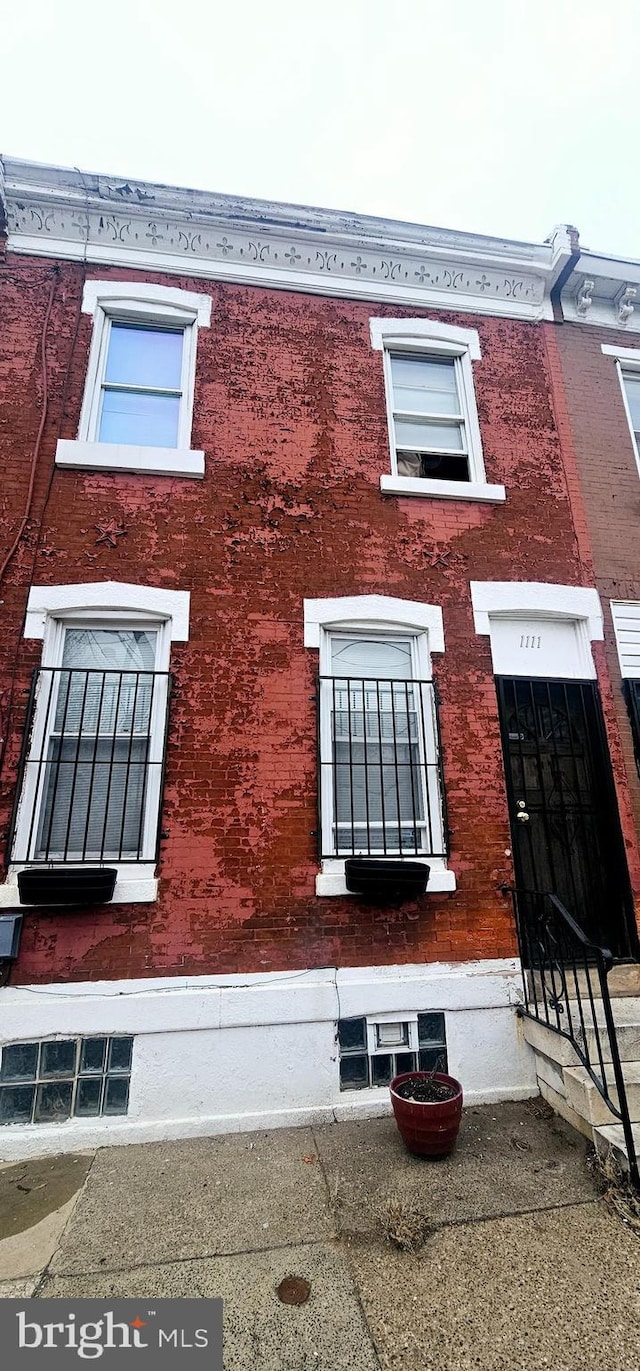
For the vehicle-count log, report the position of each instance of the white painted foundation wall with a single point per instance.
(218, 1054)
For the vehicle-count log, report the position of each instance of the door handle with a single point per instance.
(522, 815)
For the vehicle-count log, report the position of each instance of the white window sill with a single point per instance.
(442, 490)
(331, 880)
(135, 884)
(147, 461)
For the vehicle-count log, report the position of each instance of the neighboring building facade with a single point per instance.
(298, 553)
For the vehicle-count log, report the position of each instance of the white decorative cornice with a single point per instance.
(105, 220)
(68, 214)
(603, 291)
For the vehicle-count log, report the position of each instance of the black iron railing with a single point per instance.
(564, 976)
(92, 767)
(381, 785)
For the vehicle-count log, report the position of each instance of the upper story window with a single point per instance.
(628, 368)
(91, 773)
(142, 388)
(138, 401)
(631, 383)
(428, 422)
(434, 434)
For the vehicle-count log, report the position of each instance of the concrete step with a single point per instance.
(561, 1106)
(559, 1049)
(584, 1097)
(623, 981)
(610, 1137)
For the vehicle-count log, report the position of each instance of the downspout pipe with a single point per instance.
(555, 293)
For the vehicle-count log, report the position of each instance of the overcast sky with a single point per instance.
(499, 116)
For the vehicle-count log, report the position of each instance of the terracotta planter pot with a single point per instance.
(428, 1130)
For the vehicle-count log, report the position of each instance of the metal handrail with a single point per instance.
(564, 973)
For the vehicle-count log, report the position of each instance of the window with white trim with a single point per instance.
(91, 776)
(138, 402)
(379, 773)
(434, 433)
(379, 756)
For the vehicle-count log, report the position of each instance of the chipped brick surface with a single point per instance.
(290, 411)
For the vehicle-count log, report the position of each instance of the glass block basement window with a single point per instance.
(372, 1053)
(48, 1082)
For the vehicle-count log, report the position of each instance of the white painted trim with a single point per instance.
(332, 881)
(626, 626)
(625, 366)
(269, 1043)
(442, 490)
(379, 612)
(537, 598)
(155, 602)
(385, 332)
(630, 355)
(147, 461)
(196, 304)
(135, 884)
(263, 275)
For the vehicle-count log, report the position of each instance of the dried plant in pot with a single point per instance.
(427, 1107)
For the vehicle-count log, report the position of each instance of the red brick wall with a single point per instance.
(290, 411)
(598, 435)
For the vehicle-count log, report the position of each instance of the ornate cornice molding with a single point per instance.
(73, 215)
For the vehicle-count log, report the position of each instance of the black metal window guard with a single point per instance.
(380, 771)
(564, 977)
(92, 767)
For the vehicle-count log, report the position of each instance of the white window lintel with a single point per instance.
(154, 602)
(629, 356)
(373, 612)
(168, 301)
(540, 598)
(423, 332)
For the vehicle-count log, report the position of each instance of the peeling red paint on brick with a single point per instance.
(290, 412)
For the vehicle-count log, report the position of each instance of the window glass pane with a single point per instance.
(144, 420)
(425, 386)
(371, 658)
(88, 1097)
(94, 796)
(53, 1101)
(632, 388)
(433, 1058)
(16, 1103)
(381, 1070)
(59, 1058)
(116, 1097)
(145, 356)
(110, 649)
(354, 1073)
(430, 1029)
(405, 1061)
(412, 434)
(352, 1034)
(19, 1062)
(93, 1054)
(120, 1054)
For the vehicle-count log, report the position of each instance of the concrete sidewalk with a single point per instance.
(522, 1264)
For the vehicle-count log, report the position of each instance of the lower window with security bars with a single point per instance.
(374, 1050)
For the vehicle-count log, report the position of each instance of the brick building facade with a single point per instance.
(288, 525)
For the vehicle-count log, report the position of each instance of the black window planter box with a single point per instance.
(77, 885)
(382, 880)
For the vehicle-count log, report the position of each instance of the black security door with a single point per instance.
(564, 818)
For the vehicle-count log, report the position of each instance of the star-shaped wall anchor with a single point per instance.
(109, 533)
